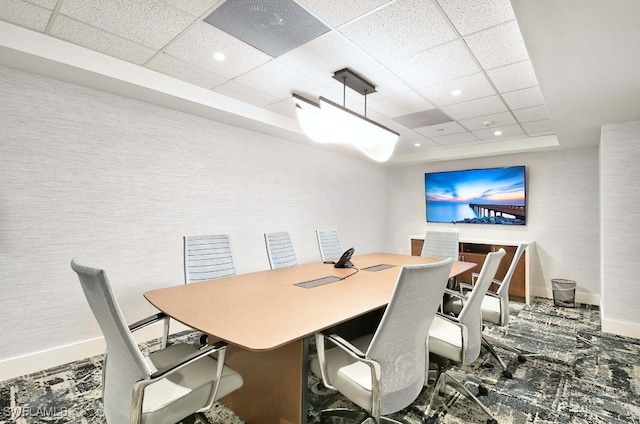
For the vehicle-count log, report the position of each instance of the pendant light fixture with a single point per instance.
(328, 122)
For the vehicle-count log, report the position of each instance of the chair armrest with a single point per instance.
(148, 321)
(465, 286)
(206, 351)
(448, 317)
(456, 294)
(346, 346)
(492, 294)
(474, 277)
(351, 350)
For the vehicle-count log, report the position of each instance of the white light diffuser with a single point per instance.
(329, 122)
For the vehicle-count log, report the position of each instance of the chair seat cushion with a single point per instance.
(491, 310)
(445, 339)
(187, 390)
(351, 378)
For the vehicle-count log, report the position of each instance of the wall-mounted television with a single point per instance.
(477, 196)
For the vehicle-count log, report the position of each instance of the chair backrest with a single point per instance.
(207, 257)
(280, 250)
(471, 313)
(329, 244)
(441, 244)
(503, 290)
(124, 364)
(403, 331)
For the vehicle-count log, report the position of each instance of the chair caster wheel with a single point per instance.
(487, 366)
(492, 421)
(507, 374)
(522, 359)
(482, 391)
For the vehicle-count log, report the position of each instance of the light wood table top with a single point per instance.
(265, 310)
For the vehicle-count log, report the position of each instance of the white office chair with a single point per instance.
(280, 250)
(329, 244)
(164, 387)
(207, 257)
(459, 338)
(441, 244)
(384, 372)
(495, 309)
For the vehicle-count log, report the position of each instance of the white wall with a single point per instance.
(562, 215)
(118, 182)
(619, 153)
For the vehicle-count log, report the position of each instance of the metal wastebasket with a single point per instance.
(564, 292)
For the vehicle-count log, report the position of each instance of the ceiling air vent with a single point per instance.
(271, 26)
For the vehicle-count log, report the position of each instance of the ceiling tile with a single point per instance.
(441, 129)
(406, 134)
(47, 4)
(176, 68)
(443, 63)
(498, 46)
(25, 14)
(472, 87)
(536, 113)
(473, 15)
(323, 56)
(386, 82)
(473, 108)
(400, 29)
(99, 40)
(197, 45)
(245, 94)
(499, 119)
(535, 128)
(459, 138)
(193, 7)
(401, 104)
(277, 80)
(336, 13)
(410, 146)
(507, 131)
(513, 77)
(523, 98)
(148, 22)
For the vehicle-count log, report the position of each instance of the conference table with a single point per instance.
(266, 317)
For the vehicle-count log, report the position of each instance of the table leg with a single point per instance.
(275, 384)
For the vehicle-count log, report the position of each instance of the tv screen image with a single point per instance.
(477, 196)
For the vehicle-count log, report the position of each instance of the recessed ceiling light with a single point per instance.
(456, 92)
(498, 132)
(417, 144)
(219, 56)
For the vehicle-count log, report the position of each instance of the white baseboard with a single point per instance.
(38, 361)
(621, 328)
(586, 298)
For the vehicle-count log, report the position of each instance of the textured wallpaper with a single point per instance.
(117, 183)
(619, 152)
(562, 214)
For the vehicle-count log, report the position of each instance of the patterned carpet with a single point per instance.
(576, 375)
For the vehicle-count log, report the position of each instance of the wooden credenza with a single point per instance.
(476, 251)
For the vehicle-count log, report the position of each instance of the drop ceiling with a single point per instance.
(416, 53)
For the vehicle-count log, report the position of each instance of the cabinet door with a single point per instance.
(476, 258)
(416, 247)
(516, 286)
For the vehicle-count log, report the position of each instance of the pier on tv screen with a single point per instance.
(477, 196)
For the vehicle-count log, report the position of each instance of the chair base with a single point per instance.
(361, 416)
(490, 343)
(454, 379)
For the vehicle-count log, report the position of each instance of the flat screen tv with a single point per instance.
(477, 196)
